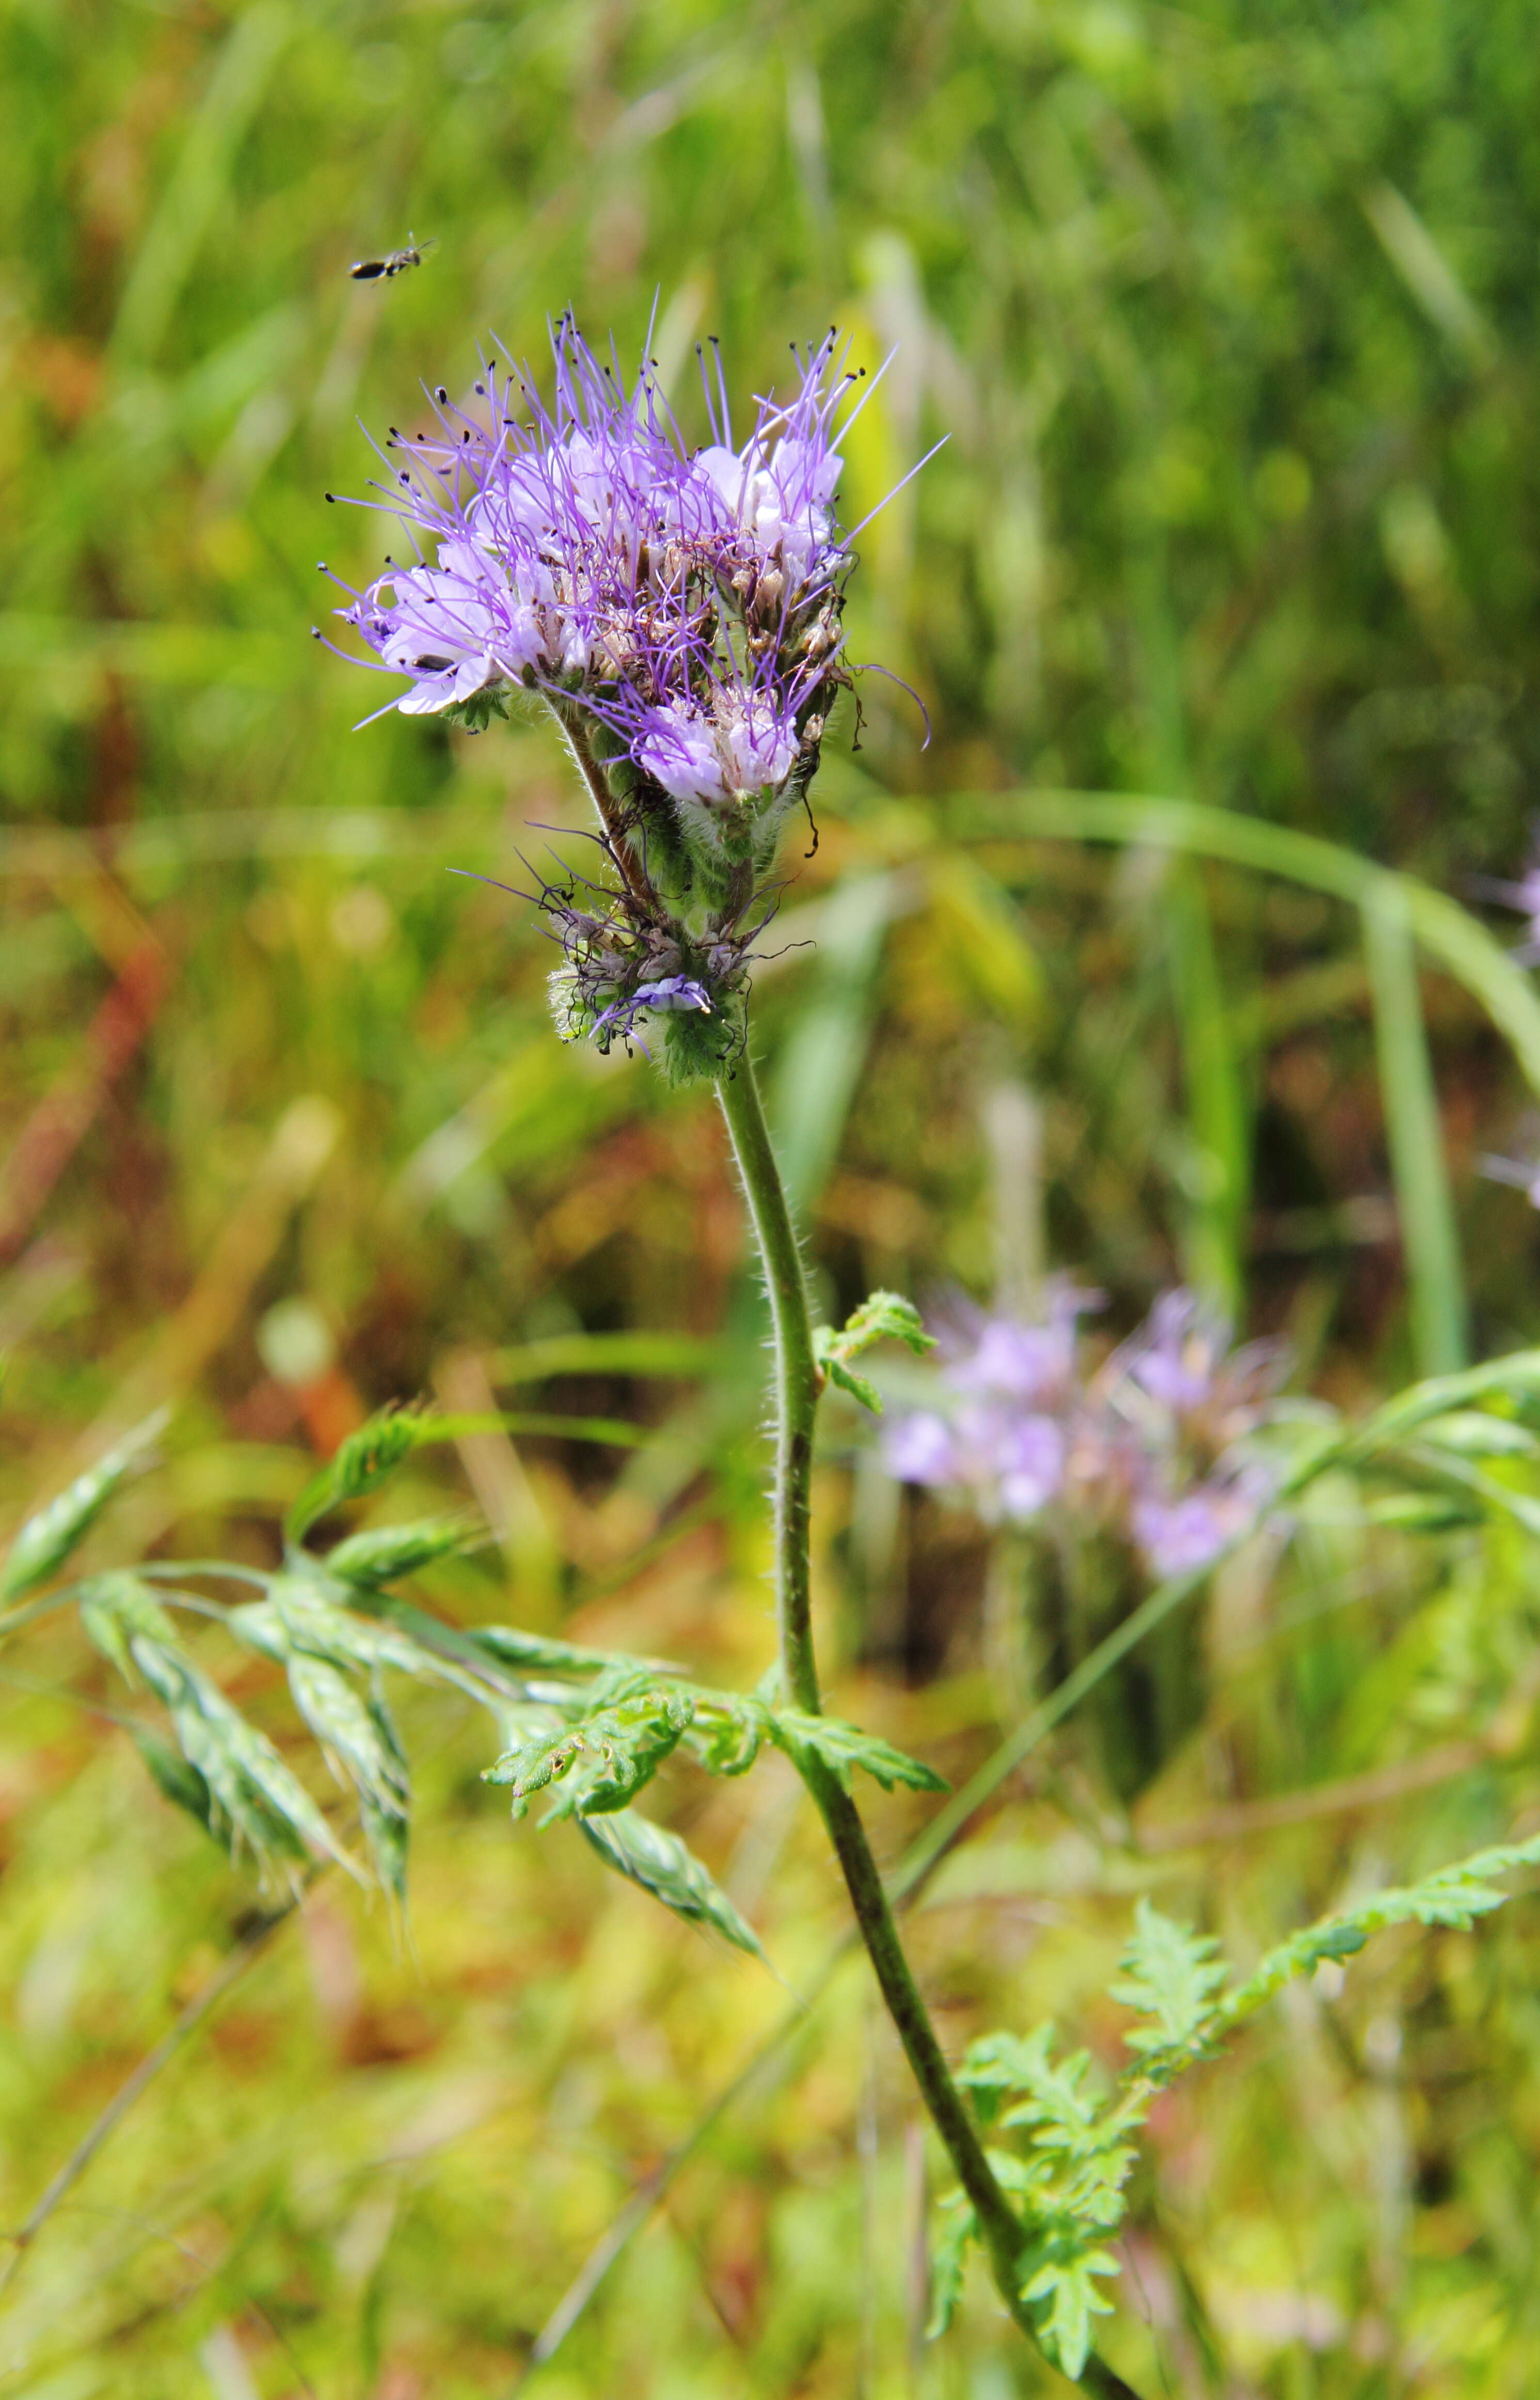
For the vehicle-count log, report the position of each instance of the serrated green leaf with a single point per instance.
(884, 1317)
(360, 1463)
(1169, 1974)
(659, 1860)
(858, 1385)
(47, 1539)
(1454, 1896)
(948, 2262)
(387, 1552)
(603, 1760)
(1063, 2297)
(844, 1746)
(1054, 2096)
(726, 1733)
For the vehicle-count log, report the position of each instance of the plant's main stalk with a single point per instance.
(797, 1383)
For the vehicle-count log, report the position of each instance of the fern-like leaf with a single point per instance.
(603, 1759)
(1170, 1975)
(844, 1746)
(884, 1317)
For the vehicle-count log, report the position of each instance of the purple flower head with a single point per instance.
(679, 609)
(582, 548)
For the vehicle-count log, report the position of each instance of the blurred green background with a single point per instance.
(1229, 315)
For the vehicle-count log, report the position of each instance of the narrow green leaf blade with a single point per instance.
(1429, 1233)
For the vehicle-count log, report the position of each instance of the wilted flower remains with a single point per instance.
(679, 611)
(1148, 1447)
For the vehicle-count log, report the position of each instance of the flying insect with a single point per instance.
(396, 262)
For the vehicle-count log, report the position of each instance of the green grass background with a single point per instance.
(1229, 314)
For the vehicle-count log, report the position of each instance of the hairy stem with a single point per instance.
(575, 733)
(797, 1383)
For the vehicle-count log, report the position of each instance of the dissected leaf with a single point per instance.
(659, 1860)
(860, 1387)
(1453, 1896)
(603, 1759)
(1063, 2297)
(948, 2262)
(1169, 1974)
(885, 1316)
(844, 1746)
(47, 1539)
(726, 1733)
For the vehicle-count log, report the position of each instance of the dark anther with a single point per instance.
(328, 496)
(442, 394)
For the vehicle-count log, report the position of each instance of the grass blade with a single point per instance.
(1428, 1232)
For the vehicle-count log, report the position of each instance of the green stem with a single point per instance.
(797, 1383)
(575, 725)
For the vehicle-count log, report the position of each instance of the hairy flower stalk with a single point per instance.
(679, 612)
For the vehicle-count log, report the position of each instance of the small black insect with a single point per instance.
(369, 270)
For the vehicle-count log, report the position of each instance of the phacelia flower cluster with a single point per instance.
(679, 609)
(1149, 1448)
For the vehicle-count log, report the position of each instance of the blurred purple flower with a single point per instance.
(920, 1449)
(1523, 1173)
(1179, 1537)
(1143, 1447)
(1522, 895)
